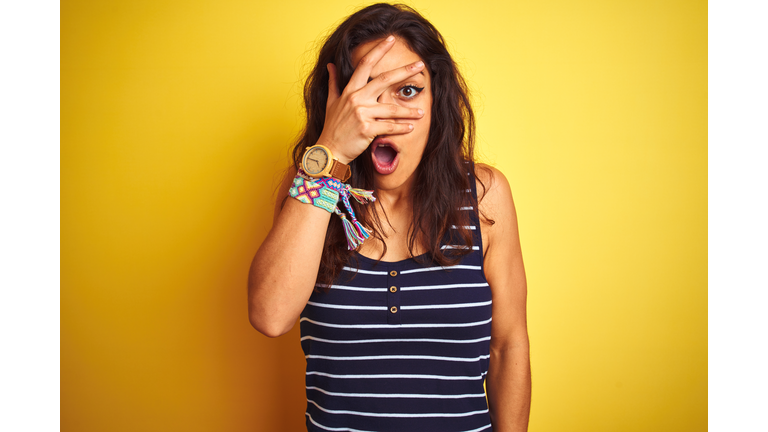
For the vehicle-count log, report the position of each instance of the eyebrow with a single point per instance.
(371, 78)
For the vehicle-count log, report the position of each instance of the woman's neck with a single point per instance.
(393, 201)
(394, 210)
(393, 198)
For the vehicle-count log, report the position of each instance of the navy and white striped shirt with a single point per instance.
(402, 346)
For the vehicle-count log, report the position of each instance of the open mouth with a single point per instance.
(384, 155)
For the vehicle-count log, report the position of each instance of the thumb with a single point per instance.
(333, 88)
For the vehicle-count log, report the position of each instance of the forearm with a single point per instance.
(508, 386)
(284, 269)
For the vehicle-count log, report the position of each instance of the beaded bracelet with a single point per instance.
(325, 193)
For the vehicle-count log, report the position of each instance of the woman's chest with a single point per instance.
(404, 295)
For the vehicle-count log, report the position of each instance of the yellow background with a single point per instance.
(176, 117)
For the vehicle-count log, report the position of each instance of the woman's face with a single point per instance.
(395, 157)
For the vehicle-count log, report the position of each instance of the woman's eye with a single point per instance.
(409, 91)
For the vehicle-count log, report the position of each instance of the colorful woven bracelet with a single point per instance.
(325, 193)
(310, 192)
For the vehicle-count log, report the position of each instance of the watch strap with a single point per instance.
(340, 171)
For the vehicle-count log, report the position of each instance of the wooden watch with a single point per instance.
(318, 161)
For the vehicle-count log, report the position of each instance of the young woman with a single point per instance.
(410, 303)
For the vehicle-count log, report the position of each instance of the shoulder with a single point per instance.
(494, 194)
(496, 208)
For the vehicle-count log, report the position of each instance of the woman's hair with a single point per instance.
(441, 177)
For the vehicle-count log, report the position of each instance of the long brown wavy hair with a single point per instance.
(441, 177)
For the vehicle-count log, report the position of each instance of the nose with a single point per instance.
(385, 97)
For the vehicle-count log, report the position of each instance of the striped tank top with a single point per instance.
(400, 346)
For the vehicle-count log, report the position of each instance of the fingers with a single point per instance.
(363, 70)
(386, 79)
(389, 128)
(392, 111)
(333, 88)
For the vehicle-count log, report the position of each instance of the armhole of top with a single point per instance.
(475, 215)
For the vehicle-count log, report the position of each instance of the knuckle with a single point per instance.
(359, 112)
(365, 60)
(385, 77)
(393, 109)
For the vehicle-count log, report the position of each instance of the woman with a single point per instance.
(396, 296)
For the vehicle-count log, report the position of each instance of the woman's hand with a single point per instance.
(354, 118)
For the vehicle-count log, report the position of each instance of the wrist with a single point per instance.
(326, 193)
(336, 151)
(340, 157)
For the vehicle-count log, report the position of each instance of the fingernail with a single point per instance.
(421, 111)
(410, 126)
(390, 38)
(419, 64)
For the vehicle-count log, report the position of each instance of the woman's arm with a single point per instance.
(283, 272)
(285, 267)
(508, 383)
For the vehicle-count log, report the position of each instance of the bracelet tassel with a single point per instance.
(362, 196)
(354, 231)
(353, 238)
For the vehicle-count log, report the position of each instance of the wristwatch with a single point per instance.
(318, 161)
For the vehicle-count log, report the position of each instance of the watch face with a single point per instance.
(315, 160)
